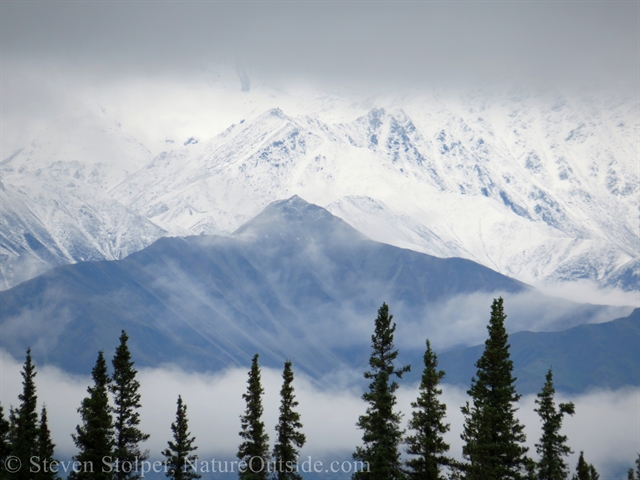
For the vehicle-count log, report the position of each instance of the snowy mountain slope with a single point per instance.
(540, 187)
(55, 206)
(529, 191)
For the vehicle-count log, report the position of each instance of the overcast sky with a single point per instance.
(174, 69)
(384, 43)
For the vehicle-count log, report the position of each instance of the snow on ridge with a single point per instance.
(536, 188)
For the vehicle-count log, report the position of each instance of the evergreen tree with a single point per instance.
(24, 422)
(45, 450)
(636, 476)
(382, 435)
(180, 457)
(553, 446)
(5, 444)
(427, 421)
(585, 471)
(254, 450)
(126, 401)
(290, 438)
(94, 437)
(493, 435)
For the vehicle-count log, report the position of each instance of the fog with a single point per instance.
(605, 426)
(585, 291)
(192, 68)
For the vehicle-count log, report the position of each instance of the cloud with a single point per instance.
(605, 426)
(587, 291)
(167, 70)
(462, 320)
(373, 43)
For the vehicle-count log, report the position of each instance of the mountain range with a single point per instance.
(294, 282)
(537, 187)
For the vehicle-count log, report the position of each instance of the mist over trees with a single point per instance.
(108, 438)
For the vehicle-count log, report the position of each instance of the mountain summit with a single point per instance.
(297, 219)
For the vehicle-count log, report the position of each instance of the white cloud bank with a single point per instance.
(586, 291)
(606, 425)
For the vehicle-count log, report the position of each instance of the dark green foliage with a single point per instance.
(45, 450)
(381, 425)
(94, 436)
(635, 476)
(179, 456)
(24, 422)
(584, 470)
(531, 468)
(5, 443)
(493, 435)
(427, 444)
(254, 450)
(126, 401)
(553, 446)
(290, 438)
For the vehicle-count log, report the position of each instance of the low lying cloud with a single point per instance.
(463, 319)
(587, 291)
(605, 426)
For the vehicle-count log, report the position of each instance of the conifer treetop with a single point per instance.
(584, 470)
(126, 399)
(427, 445)
(46, 449)
(94, 436)
(289, 439)
(382, 434)
(493, 436)
(179, 454)
(254, 448)
(24, 420)
(552, 447)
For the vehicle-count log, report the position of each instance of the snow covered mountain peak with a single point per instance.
(535, 187)
(298, 219)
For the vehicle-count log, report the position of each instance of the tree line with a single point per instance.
(109, 439)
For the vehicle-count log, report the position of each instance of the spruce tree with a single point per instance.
(290, 439)
(45, 450)
(553, 446)
(126, 399)
(24, 422)
(493, 435)
(635, 476)
(584, 470)
(179, 456)
(5, 444)
(94, 436)
(254, 450)
(382, 435)
(427, 444)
